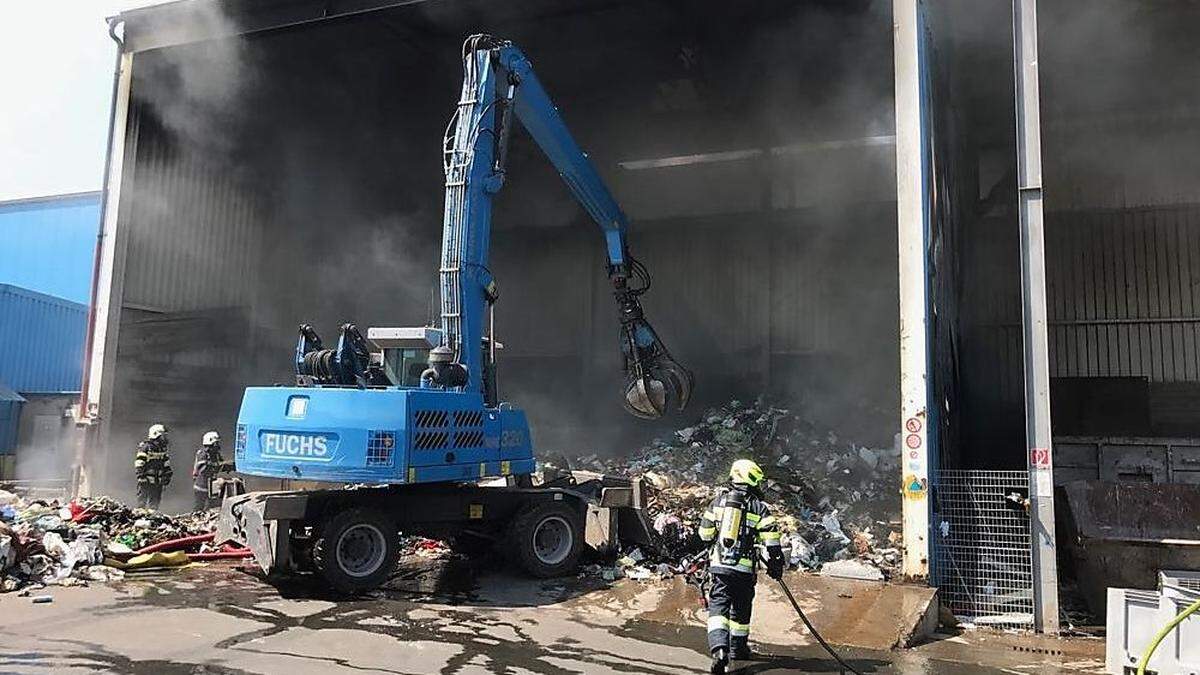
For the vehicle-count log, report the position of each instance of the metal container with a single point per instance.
(41, 341)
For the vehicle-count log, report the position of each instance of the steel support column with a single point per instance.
(1033, 294)
(912, 202)
(100, 362)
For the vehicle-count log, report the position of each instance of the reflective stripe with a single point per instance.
(710, 515)
(752, 517)
(707, 533)
(739, 629)
(717, 623)
(766, 522)
(769, 536)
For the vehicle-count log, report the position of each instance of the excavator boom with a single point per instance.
(499, 84)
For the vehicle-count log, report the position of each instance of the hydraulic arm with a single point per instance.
(498, 85)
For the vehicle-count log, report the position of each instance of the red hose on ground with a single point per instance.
(236, 554)
(174, 544)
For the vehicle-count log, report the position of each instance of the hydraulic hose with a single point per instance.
(795, 605)
(1145, 660)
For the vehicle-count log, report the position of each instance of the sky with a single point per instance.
(57, 85)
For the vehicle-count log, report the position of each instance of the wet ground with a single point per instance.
(218, 619)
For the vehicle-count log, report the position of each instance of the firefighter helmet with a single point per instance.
(746, 472)
(211, 438)
(156, 431)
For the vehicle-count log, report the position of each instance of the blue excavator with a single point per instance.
(407, 423)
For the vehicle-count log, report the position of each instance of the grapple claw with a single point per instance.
(680, 380)
(654, 380)
(646, 398)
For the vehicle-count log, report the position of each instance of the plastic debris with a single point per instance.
(147, 561)
(852, 569)
(41, 599)
(44, 542)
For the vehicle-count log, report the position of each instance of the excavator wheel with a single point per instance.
(356, 550)
(546, 539)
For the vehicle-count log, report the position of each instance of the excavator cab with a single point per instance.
(403, 353)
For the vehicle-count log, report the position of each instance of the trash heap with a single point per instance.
(48, 542)
(837, 501)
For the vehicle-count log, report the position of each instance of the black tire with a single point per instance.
(546, 539)
(369, 546)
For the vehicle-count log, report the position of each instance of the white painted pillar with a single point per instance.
(110, 283)
(912, 200)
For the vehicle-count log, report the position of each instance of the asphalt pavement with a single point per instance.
(220, 619)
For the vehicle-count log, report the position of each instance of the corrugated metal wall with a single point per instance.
(1124, 293)
(41, 341)
(1123, 296)
(48, 244)
(785, 303)
(195, 236)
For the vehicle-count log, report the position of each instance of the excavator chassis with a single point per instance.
(349, 537)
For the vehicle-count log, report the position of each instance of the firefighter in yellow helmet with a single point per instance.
(737, 522)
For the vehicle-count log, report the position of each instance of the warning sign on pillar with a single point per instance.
(1039, 458)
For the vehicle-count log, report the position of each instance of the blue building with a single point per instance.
(48, 244)
(41, 368)
(47, 248)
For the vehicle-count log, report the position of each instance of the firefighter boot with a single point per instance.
(720, 659)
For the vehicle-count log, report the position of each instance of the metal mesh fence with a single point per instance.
(983, 564)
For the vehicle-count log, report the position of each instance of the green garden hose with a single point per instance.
(1162, 634)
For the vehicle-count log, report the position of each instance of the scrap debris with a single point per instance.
(46, 542)
(835, 499)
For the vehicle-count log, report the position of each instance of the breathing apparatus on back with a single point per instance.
(737, 541)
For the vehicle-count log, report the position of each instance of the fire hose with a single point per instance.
(695, 570)
(795, 605)
(185, 542)
(175, 544)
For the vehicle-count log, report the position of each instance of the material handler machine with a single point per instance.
(406, 424)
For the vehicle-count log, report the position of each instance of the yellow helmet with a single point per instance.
(746, 472)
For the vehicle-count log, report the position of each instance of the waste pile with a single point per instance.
(836, 501)
(48, 542)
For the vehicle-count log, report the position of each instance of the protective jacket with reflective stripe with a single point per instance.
(152, 463)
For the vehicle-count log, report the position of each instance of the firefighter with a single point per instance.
(208, 465)
(152, 467)
(737, 522)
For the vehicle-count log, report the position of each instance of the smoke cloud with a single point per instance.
(774, 273)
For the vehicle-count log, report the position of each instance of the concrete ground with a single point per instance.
(219, 619)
